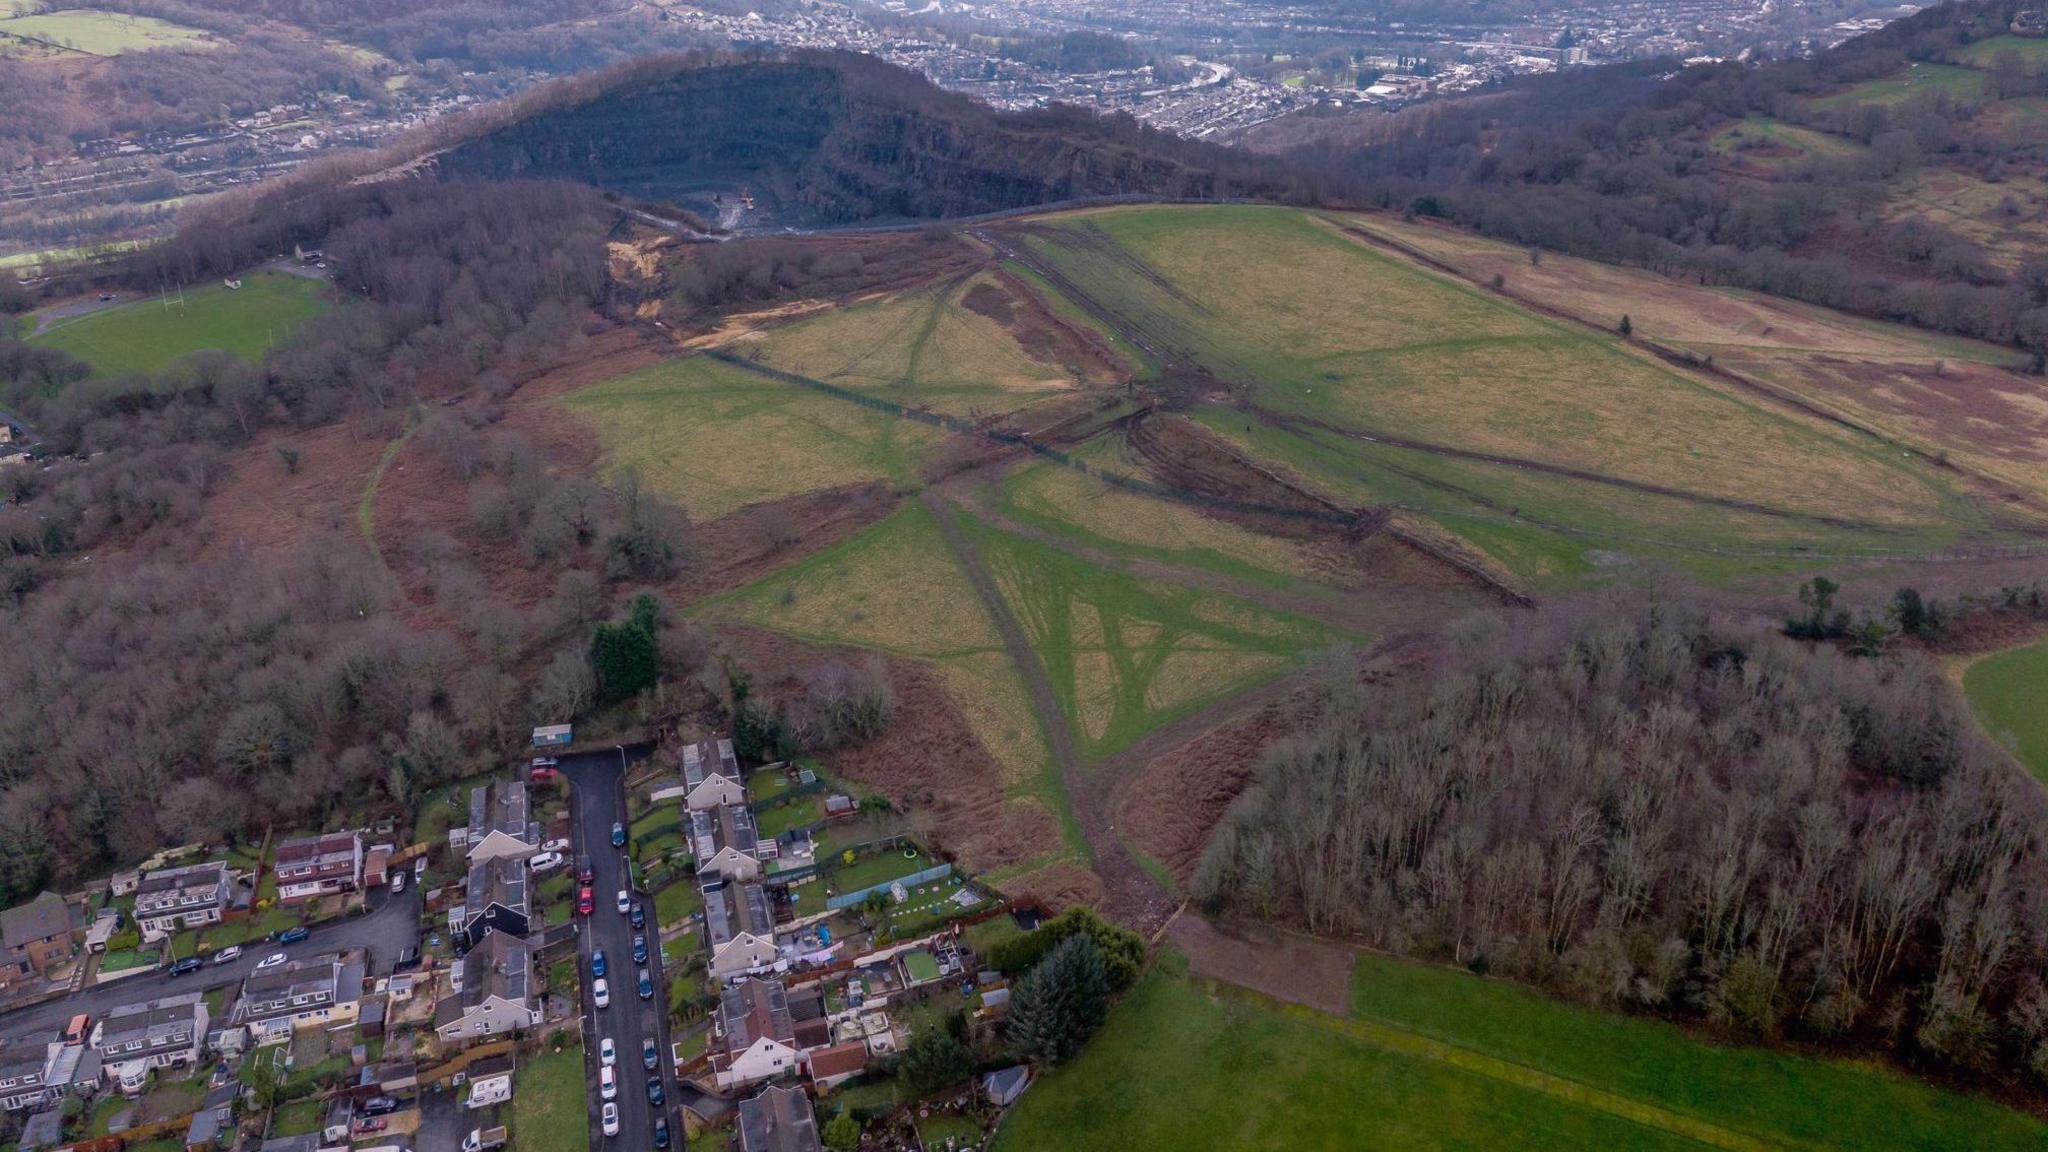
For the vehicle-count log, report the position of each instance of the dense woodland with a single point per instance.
(839, 137)
(1650, 807)
(1613, 163)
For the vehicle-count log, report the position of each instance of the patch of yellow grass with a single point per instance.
(1095, 691)
(986, 689)
(896, 588)
(1191, 673)
(714, 438)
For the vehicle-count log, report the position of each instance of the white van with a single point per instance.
(608, 1083)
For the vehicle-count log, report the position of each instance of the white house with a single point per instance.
(725, 842)
(493, 992)
(35, 1072)
(311, 993)
(499, 825)
(312, 866)
(740, 927)
(175, 898)
(756, 1037)
(711, 775)
(136, 1039)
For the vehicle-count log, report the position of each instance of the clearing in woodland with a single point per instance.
(150, 334)
(2009, 691)
(1433, 1058)
(97, 33)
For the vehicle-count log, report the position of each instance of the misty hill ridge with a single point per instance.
(838, 137)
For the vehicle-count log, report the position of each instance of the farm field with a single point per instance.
(2009, 691)
(715, 438)
(145, 336)
(1432, 1058)
(97, 33)
(1918, 79)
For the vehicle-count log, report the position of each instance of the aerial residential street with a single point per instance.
(390, 927)
(599, 802)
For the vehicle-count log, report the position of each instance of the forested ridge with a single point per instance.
(839, 137)
(1615, 163)
(1660, 809)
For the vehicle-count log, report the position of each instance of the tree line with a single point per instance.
(1656, 808)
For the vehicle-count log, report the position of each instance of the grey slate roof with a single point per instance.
(778, 1120)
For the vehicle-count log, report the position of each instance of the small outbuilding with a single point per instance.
(1003, 1086)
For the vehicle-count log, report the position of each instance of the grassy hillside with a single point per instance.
(147, 335)
(2010, 694)
(1433, 1058)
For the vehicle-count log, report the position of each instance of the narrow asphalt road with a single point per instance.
(598, 801)
(391, 926)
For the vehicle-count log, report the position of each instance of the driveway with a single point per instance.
(598, 801)
(392, 925)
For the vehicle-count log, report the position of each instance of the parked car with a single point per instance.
(618, 835)
(607, 1084)
(650, 1056)
(379, 1106)
(638, 915)
(625, 902)
(270, 961)
(584, 873)
(398, 881)
(655, 1095)
(586, 901)
(294, 934)
(639, 949)
(407, 960)
(611, 1119)
(601, 992)
(228, 955)
(187, 965)
(607, 1053)
(370, 1124)
(544, 862)
(597, 963)
(646, 985)
(546, 762)
(661, 1131)
(559, 846)
(544, 775)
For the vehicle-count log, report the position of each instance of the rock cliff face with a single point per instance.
(835, 137)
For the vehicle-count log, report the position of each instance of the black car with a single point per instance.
(638, 915)
(661, 1131)
(187, 965)
(379, 1106)
(650, 1056)
(654, 1093)
(639, 949)
(585, 874)
(407, 960)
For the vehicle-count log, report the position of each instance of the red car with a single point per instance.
(586, 901)
(544, 775)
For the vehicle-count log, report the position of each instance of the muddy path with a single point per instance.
(1133, 897)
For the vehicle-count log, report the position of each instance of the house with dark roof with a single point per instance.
(35, 937)
(725, 842)
(778, 1120)
(313, 866)
(211, 1123)
(313, 993)
(499, 823)
(171, 899)
(43, 1130)
(711, 775)
(493, 994)
(755, 1036)
(740, 927)
(494, 899)
(137, 1039)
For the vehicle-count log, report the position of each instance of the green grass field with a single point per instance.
(2032, 52)
(1126, 654)
(98, 33)
(551, 1109)
(146, 336)
(2009, 692)
(1744, 137)
(1437, 1059)
(1918, 79)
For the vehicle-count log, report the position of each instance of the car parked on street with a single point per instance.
(639, 949)
(650, 1055)
(655, 1095)
(638, 916)
(611, 1119)
(188, 965)
(618, 835)
(294, 934)
(607, 1083)
(607, 1053)
(601, 993)
(586, 901)
(625, 902)
(597, 962)
(228, 955)
(271, 961)
(646, 985)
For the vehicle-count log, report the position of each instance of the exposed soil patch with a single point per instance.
(1059, 885)
(1223, 484)
(1174, 800)
(268, 508)
(1298, 969)
(928, 759)
(761, 538)
(1040, 332)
